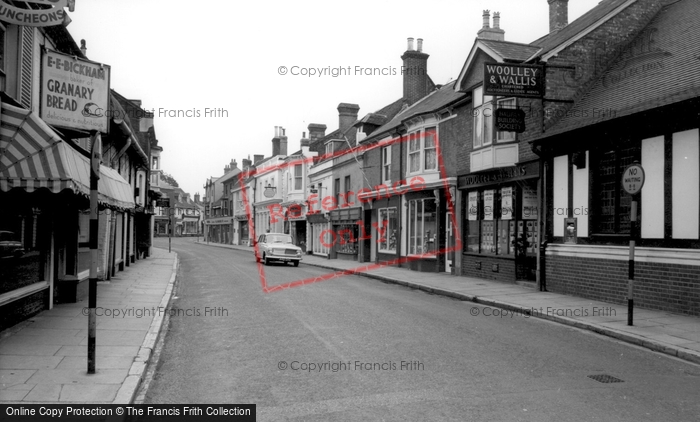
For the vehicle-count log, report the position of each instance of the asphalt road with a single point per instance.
(352, 348)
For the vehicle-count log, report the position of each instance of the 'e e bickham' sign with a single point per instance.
(513, 80)
(74, 92)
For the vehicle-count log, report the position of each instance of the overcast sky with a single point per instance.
(188, 56)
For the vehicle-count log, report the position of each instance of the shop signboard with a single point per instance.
(74, 92)
(46, 16)
(513, 80)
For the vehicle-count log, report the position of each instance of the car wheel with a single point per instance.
(296, 263)
(265, 260)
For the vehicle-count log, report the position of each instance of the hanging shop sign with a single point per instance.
(513, 80)
(74, 92)
(510, 120)
(50, 16)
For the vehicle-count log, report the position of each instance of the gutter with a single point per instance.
(131, 139)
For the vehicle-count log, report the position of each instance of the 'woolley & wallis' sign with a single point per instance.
(513, 80)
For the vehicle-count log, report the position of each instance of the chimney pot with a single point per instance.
(83, 47)
(487, 18)
(497, 20)
(410, 44)
(420, 44)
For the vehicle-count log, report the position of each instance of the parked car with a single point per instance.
(9, 246)
(277, 247)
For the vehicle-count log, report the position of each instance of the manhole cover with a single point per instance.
(605, 379)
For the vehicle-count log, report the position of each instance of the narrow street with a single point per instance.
(357, 349)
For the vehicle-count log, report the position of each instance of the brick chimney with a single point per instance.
(558, 14)
(258, 158)
(196, 198)
(233, 165)
(304, 143)
(415, 73)
(495, 33)
(246, 163)
(278, 141)
(347, 115)
(316, 130)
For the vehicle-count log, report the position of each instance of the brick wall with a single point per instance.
(667, 287)
(24, 308)
(506, 268)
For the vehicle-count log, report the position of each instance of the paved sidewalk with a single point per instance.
(672, 334)
(44, 359)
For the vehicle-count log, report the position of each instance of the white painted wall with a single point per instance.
(581, 205)
(686, 184)
(561, 193)
(652, 217)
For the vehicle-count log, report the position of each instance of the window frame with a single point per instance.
(383, 247)
(411, 239)
(386, 164)
(298, 178)
(417, 149)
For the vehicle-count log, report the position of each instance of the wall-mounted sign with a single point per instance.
(163, 202)
(472, 206)
(513, 80)
(269, 191)
(510, 120)
(53, 15)
(507, 203)
(74, 92)
(633, 178)
(488, 204)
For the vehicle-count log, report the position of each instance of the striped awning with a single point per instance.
(33, 156)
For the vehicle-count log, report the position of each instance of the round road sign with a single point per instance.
(633, 178)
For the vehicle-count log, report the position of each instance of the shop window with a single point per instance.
(346, 238)
(389, 223)
(491, 227)
(611, 204)
(422, 227)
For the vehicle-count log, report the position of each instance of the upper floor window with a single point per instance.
(298, 177)
(484, 122)
(483, 118)
(422, 155)
(386, 164)
(155, 163)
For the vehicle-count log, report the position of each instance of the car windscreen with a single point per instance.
(279, 239)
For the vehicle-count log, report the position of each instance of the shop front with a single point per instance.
(500, 232)
(319, 238)
(220, 230)
(345, 233)
(241, 232)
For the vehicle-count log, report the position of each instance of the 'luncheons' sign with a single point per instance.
(49, 16)
(74, 93)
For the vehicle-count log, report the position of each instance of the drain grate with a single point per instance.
(605, 378)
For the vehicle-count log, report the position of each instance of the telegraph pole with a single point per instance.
(95, 160)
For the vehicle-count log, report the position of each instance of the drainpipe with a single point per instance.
(130, 140)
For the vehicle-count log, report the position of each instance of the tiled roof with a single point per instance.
(511, 50)
(430, 103)
(641, 81)
(553, 40)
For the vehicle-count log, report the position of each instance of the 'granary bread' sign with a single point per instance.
(74, 92)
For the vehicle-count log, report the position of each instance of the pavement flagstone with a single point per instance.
(44, 359)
